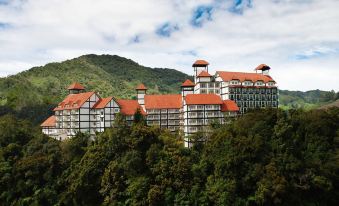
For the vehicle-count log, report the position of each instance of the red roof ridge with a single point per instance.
(204, 73)
(102, 103)
(49, 122)
(76, 86)
(129, 106)
(163, 101)
(243, 76)
(141, 87)
(262, 67)
(187, 83)
(200, 63)
(79, 99)
(229, 106)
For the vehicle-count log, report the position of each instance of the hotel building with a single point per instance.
(210, 98)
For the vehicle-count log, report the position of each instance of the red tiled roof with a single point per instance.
(168, 101)
(242, 76)
(200, 62)
(74, 101)
(141, 87)
(49, 122)
(188, 83)
(262, 67)
(203, 99)
(129, 107)
(229, 106)
(102, 103)
(76, 86)
(204, 74)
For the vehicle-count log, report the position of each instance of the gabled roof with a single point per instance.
(102, 103)
(49, 122)
(76, 86)
(204, 74)
(242, 76)
(200, 63)
(188, 83)
(141, 87)
(74, 101)
(203, 99)
(168, 101)
(129, 107)
(229, 106)
(262, 67)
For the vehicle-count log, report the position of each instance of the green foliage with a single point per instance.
(306, 100)
(106, 74)
(266, 157)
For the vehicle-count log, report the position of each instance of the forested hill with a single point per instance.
(307, 100)
(106, 74)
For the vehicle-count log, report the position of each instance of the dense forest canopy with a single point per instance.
(266, 157)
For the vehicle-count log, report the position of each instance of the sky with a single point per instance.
(298, 39)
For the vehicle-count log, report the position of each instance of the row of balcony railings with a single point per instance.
(259, 91)
(158, 111)
(210, 85)
(156, 117)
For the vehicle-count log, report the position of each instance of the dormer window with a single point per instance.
(259, 83)
(247, 83)
(234, 82)
(270, 83)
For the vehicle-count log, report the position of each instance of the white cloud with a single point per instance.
(270, 31)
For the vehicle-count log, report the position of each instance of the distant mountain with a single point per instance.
(306, 100)
(31, 94)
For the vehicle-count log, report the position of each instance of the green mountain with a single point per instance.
(106, 74)
(33, 93)
(307, 100)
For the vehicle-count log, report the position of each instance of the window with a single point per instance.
(247, 83)
(270, 83)
(259, 83)
(203, 85)
(203, 91)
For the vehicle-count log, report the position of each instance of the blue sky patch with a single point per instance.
(166, 29)
(316, 53)
(4, 25)
(239, 6)
(190, 53)
(201, 14)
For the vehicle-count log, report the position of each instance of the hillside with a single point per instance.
(32, 92)
(307, 100)
(332, 104)
(106, 74)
